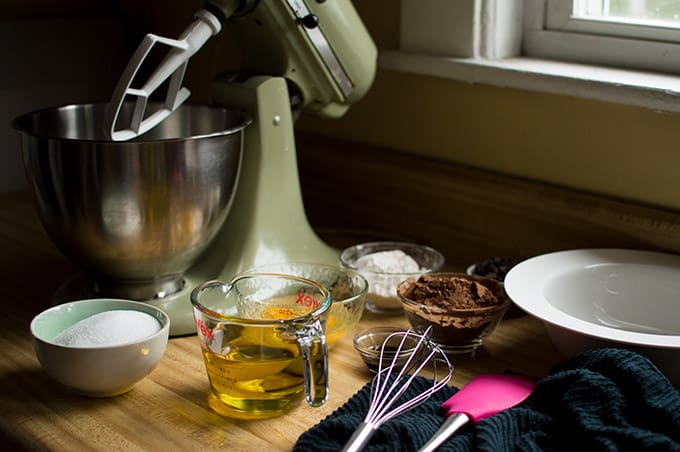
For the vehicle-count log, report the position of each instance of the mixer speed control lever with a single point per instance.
(310, 21)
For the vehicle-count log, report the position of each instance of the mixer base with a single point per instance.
(76, 288)
(177, 305)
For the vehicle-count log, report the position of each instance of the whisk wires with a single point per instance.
(391, 383)
(387, 389)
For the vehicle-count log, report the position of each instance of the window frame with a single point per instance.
(551, 33)
(484, 45)
(559, 17)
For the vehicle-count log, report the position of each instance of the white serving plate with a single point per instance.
(594, 298)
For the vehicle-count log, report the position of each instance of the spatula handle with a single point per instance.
(448, 428)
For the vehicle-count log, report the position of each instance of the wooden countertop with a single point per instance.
(168, 410)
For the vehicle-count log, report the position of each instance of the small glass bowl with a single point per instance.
(369, 344)
(497, 268)
(348, 290)
(382, 286)
(456, 330)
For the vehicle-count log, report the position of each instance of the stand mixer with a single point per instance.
(312, 56)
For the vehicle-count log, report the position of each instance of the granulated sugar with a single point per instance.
(109, 328)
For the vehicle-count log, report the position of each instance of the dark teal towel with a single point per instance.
(605, 400)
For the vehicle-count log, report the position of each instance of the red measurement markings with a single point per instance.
(307, 300)
(204, 330)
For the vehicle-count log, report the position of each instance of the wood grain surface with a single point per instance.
(168, 410)
(352, 192)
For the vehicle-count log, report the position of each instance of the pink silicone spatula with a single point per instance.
(483, 396)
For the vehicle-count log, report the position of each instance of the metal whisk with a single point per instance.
(391, 383)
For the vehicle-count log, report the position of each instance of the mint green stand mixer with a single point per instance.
(312, 56)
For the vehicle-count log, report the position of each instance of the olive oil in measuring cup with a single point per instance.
(253, 332)
(258, 375)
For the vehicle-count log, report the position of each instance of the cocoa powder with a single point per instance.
(451, 292)
(459, 309)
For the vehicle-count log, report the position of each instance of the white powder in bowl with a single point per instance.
(392, 261)
(109, 328)
(376, 268)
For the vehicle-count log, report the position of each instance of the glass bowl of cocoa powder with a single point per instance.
(462, 309)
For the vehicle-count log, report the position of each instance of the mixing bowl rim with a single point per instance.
(539, 270)
(16, 124)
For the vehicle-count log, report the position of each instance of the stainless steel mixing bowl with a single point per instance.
(133, 215)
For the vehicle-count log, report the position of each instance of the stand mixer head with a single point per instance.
(321, 48)
(312, 56)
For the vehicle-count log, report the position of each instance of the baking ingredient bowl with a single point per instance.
(120, 359)
(494, 267)
(385, 265)
(369, 343)
(593, 298)
(461, 309)
(348, 293)
(497, 268)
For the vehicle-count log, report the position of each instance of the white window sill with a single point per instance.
(658, 92)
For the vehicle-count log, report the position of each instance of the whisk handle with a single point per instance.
(359, 438)
(448, 428)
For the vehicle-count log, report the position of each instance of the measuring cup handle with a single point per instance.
(312, 343)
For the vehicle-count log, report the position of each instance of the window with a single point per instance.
(646, 19)
(623, 51)
(638, 34)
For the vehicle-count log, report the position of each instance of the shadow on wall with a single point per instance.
(51, 62)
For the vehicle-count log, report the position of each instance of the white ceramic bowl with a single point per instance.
(97, 371)
(597, 298)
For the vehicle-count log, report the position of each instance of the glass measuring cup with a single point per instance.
(263, 342)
